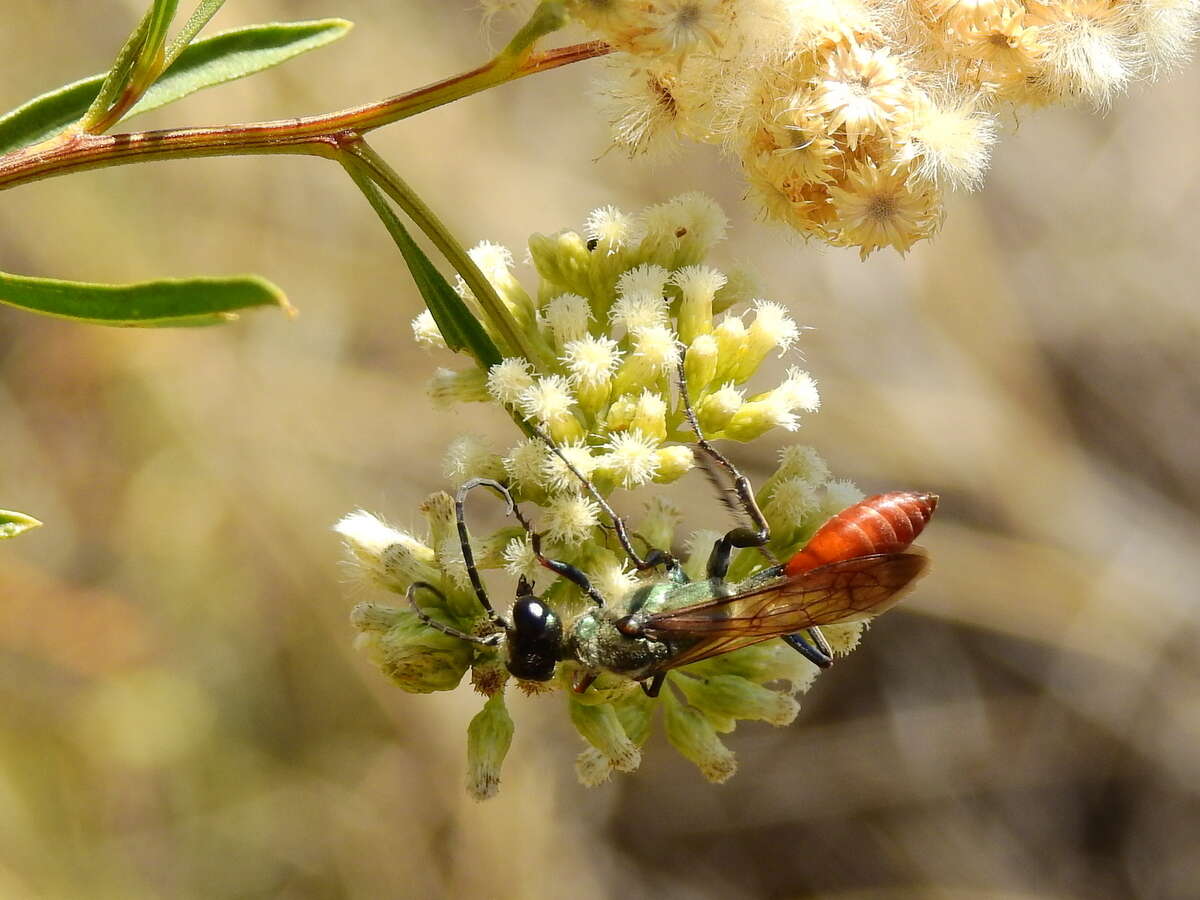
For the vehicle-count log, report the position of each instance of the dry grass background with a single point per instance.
(181, 714)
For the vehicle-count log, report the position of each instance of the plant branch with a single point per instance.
(312, 135)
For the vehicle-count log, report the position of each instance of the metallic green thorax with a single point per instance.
(597, 643)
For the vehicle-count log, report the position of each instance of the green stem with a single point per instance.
(311, 135)
(389, 180)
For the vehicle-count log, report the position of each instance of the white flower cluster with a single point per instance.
(619, 309)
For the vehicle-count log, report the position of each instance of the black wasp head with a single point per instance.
(534, 639)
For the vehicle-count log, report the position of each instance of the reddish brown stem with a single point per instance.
(318, 135)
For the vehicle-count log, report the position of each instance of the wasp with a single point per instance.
(856, 566)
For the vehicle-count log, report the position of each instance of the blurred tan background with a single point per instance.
(181, 713)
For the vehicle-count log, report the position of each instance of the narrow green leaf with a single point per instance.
(161, 16)
(207, 63)
(200, 17)
(47, 115)
(459, 327)
(236, 54)
(170, 303)
(135, 68)
(14, 523)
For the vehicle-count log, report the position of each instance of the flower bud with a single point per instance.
(700, 364)
(470, 457)
(426, 333)
(612, 230)
(438, 510)
(740, 286)
(562, 259)
(602, 729)
(367, 616)
(650, 416)
(731, 339)
(418, 658)
(738, 698)
(673, 463)
(592, 768)
(844, 637)
(620, 414)
(695, 738)
(681, 231)
(716, 409)
(452, 386)
(508, 380)
(752, 420)
(526, 465)
(655, 352)
(658, 522)
(698, 285)
(762, 663)
(640, 301)
(557, 475)
(568, 316)
(772, 328)
(791, 503)
(495, 262)
(488, 738)
(570, 517)
(393, 559)
(635, 711)
(591, 362)
(632, 459)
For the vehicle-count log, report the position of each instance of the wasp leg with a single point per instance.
(667, 561)
(557, 566)
(654, 558)
(566, 570)
(655, 685)
(718, 561)
(584, 682)
(489, 641)
(816, 653)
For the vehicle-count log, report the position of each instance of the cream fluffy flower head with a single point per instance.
(810, 94)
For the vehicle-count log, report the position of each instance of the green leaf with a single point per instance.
(14, 523)
(207, 63)
(235, 54)
(47, 115)
(192, 27)
(457, 324)
(170, 303)
(459, 327)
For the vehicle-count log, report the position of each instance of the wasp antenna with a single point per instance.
(464, 539)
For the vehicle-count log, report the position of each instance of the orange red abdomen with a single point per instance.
(884, 523)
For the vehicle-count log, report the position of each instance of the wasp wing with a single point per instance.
(843, 591)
